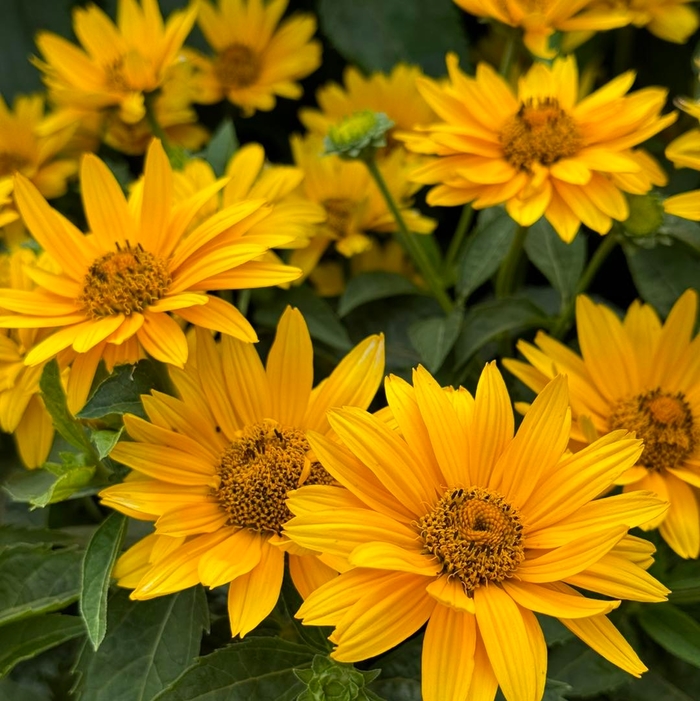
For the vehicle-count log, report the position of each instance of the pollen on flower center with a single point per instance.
(665, 423)
(123, 282)
(540, 132)
(475, 534)
(339, 212)
(11, 163)
(237, 66)
(257, 470)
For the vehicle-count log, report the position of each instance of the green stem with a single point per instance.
(157, 131)
(506, 273)
(463, 225)
(409, 243)
(509, 53)
(243, 301)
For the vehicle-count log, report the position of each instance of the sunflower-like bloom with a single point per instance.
(117, 287)
(684, 152)
(452, 520)
(213, 468)
(257, 57)
(539, 19)
(642, 376)
(541, 151)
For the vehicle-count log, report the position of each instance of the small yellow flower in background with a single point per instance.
(684, 152)
(454, 521)
(642, 376)
(118, 286)
(257, 58)
(213, 468)
(542, 151)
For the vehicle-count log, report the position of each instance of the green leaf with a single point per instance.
(223, 144)
(378, 35)
(561, 263)
(651, 687)
(554, 690)
(486, 248)
(105, 441)
(684, 583)
(674, 630)
(100, 556)
(254, 669)
(13, 536)
(433, 338)
(26, 690)
(485, 321)
(34, 579)
(25, 639)
(683, 230)
(154, 640)
(400, 676)
(368, 287)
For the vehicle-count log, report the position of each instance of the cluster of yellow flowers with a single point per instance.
(433, 510)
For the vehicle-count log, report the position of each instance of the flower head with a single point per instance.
(638, 375)
(453, 520)
(541, 151)
(213, 467)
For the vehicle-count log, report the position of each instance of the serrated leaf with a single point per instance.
(368, 287)
(433, 338)
(485, 321)
(674, 630)
(486, 248)
(27, 638)
(155, 640)
(254, 669)
(561, 263)
(223, 144)
(35, 579)
(105, 440)
(99, 559)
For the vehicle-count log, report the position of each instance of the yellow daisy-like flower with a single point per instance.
(452, 520)
(257, 57)
(541, 151)
(118, 286)
(539, 19)
(213, 468)
(642, 376)
(684, 152)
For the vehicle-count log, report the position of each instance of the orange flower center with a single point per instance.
(123, 282)
(257, 470)
(540, 132)
(11, 163)
(339, 212)
(237, 66)
(475, 534)
(664, 421)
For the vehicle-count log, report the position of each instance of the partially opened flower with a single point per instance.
(642, 376)
(542, 151)
(118, 286)
(213, 467)
(455, 521)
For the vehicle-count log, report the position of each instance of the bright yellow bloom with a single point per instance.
(539, 19)
(213, 468)
(541, 151)
(118, 286)
(257, 57)
(642, 376)
(684, 152)
(452, 520)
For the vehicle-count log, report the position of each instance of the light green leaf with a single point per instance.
(433, 338)
(105, 440)
(674, 630)
(368, 287)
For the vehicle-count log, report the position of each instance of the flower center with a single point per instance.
(540, 132)
(258, 469)
(11, 163)
(476, 535)
(123, 282)
(237, 66)
(339, 213)
(664, 421)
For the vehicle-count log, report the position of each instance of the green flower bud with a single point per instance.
(328, 680)
(359, 135)
(646, 215)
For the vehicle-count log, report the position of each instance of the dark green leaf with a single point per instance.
(315, 637)
(561, 263)
(400, 676)
(154, 641)
(433, 338)
(651, 687)
(13, 536)
(105, 440)
(378, 35)
(34, 579)
(255, 669)
(98, 562)
(25, 639)
(683, 230)
(223, 144)
(25, 690)
(485, 321)
(486, 248)
(554, 690)
(674, 630)
(368, 287)
(554, 631)
(684, 583)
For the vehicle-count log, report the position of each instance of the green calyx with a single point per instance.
(328, 680)
(359, 135)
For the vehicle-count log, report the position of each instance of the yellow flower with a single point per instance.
(117, 286)
(642, 376)
(542, 152)
(539, 19)
(454, 521)
(213, 467)
(684, 152)
(257, 58)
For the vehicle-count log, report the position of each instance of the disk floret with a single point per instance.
(237, 66)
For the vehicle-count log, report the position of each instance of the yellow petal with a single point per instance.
(449, 592)
(231, 558)
(555, 599)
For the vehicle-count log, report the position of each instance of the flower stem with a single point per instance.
(149, 103)
(506, 273)
(409, 243)
(463, 225)
(509, 53)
